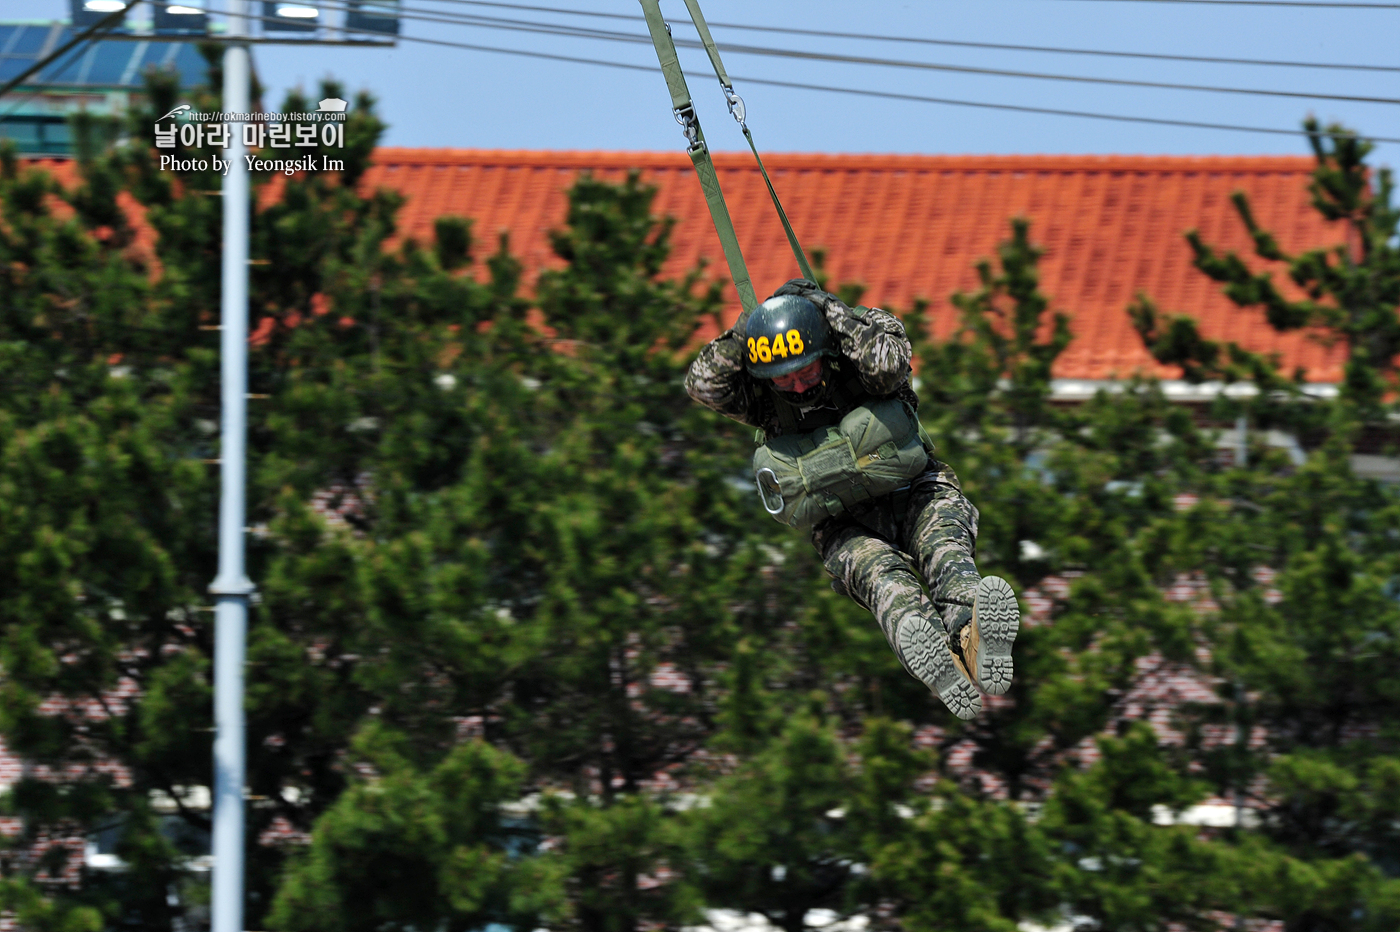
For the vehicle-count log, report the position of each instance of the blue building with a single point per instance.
(102, 78)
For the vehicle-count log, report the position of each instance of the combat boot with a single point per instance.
(923, 649)
(981, 647)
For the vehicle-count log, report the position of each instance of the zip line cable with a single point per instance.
(1121, 118)
(785, 30)
(608, 35)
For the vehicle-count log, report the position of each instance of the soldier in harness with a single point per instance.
(841, 451)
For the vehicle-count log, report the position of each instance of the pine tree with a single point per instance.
(109, 505)
(528, 652)
(784, 834)
(1300, 559)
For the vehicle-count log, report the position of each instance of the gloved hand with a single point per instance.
(872, 338)
(802, 287)
(847, 322)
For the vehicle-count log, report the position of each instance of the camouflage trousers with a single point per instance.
(878, 551)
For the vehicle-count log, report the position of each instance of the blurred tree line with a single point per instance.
(526, 651)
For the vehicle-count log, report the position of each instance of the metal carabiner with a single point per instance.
(685, 116)
(736, 104)
(770, 492)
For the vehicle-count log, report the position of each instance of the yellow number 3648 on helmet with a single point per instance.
(784, 334)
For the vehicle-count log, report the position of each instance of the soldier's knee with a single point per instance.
(949, 516)
(831, 536)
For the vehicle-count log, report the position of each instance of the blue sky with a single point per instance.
(437, 96)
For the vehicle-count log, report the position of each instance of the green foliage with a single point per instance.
(966, 863)
(535, 658)
(619, 862)
(1307, 660)
(108, 528)
(407, 849)
(32, 910)
(1004, 320)
(777, 837)
(1081, 492)
(1173, 339)
(1122, 869)
(1351, 289)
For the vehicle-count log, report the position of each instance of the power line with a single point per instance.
(891, 95)
(1046, 110)
(998, 72)
(1122, 118)
(1064, 51)
(608, 35)
(784, 30)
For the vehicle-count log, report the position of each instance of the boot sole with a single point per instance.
(928, 658)
(998, 619)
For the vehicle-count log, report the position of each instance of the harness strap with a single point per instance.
(699, 152)
(782, 214)
(701, 27)
(736, 110)
(787, 417)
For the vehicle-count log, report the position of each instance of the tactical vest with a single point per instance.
(809, 473)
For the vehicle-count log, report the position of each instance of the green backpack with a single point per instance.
(876, 449)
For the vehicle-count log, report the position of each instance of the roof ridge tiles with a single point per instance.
(571, 158)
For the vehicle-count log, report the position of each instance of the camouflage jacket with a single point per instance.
(874, 361)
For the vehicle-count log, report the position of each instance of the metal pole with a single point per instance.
(232, 587)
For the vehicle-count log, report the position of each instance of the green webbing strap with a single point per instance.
(736, 108)
(666, 53)
(699, 19)
(782, 214)
(699, 152)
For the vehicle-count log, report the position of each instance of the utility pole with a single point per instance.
(367, 21)
(232, 589)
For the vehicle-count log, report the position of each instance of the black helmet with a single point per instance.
(784, 334)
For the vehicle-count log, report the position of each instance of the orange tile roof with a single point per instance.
(912, 226)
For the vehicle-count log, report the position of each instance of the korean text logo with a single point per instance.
(322, 128)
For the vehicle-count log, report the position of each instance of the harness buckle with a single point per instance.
(685, 116)
(735, 103)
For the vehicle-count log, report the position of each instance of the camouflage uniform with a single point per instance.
(867, 549)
